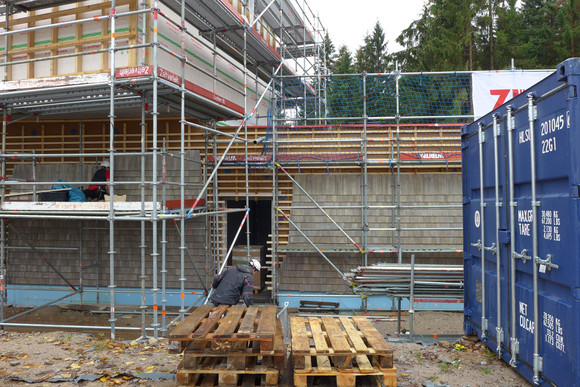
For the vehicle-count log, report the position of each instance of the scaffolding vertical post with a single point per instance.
(398, 187)
(412, 297)
(143, 246)
(217, 252)
(246, 115)
(274, 213)
(3, 290)
(112, 285)
(364, 185)
(154, 154)
(163, 236)
(182, 246)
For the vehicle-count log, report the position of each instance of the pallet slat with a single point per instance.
(230, 323)
(184, 329)
(354, 336)
(318, 336)
(336, 335)
(210, 322)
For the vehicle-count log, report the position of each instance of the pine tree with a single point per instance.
(569, 19)
(329, 52)
(343, 63)
(508, 35)
(539, 34)
(372, 56)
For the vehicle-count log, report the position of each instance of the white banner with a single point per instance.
(493, 89)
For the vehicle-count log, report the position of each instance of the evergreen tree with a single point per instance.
(442, 39)
(569, 19)
(539, 34)
(329, 51)
(372, 56)
(412, 57)
(509, 34)
(343, 63)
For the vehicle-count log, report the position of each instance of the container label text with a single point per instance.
(525, 322)
(524, 221)
(554, 331)
(551, 225)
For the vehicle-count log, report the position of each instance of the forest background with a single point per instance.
(458, 35)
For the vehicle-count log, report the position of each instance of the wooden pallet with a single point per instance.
(230, 345)
(213, 371)
(331, 376)
(340, 347)
(228, 327)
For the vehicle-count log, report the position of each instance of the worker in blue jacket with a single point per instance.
(235, 282)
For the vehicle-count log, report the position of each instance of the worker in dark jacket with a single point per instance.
(235, 282)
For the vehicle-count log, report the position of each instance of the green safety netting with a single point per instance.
(320, 106)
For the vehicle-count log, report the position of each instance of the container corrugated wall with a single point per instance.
(521, 215)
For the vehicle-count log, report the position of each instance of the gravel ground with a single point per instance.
(66, 358)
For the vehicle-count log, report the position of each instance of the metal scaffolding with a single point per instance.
(296, 122)
(264, 48)
(267, 41)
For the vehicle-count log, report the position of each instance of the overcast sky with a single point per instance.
(348, 22)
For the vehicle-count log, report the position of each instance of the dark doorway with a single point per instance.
(259, 219)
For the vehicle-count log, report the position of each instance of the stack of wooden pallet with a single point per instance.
(227, 345)
(340, 347)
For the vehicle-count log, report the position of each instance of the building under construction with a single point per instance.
(228, 138)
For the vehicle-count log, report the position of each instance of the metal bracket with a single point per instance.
(538, 367)
(499, 333)
(515, 347)
(483, 327)
(523, 256)
(546, 262)
(481, 137)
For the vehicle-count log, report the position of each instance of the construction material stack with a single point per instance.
(225, 345)
(394, 280)
(340, 348)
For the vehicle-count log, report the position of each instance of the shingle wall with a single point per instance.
(68, 245)
(310, 272)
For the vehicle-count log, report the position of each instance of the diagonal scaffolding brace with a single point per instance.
(42, 258)
(242, 125)
(229, 251)
(313, 244)
(320, 208)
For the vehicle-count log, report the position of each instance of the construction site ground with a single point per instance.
(67, 357)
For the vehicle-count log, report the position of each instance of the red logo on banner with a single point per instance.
(503, 94)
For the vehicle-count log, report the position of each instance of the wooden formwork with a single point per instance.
(341, 348)
(228, 345)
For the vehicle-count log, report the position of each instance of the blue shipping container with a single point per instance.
(521, 222)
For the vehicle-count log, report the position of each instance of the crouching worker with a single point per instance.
(235, 282)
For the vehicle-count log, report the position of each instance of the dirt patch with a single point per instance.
(66, 358)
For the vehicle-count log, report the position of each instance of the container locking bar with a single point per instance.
(492, 248)
(523, 255)
(545, 263)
